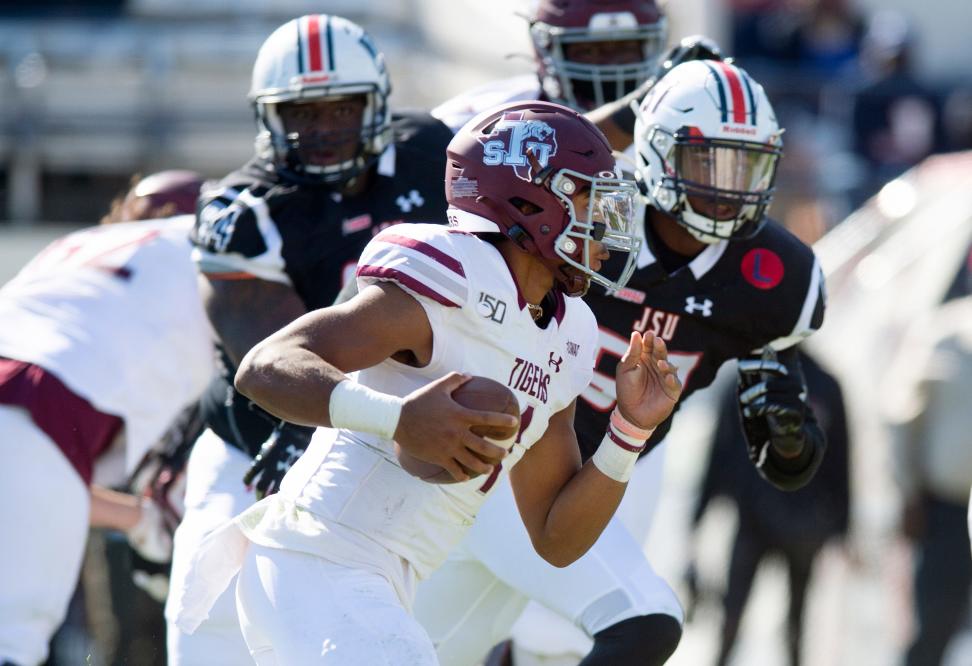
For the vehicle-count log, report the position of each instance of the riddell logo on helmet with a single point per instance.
(513, 138)
(737, 129)
(316, 78)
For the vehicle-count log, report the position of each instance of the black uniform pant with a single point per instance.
(749, 549)
(943, 574)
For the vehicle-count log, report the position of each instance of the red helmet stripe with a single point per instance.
(314, 43)
(736, 90)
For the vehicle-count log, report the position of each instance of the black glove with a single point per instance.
(277, 455)
(784, 441)
(768, 392)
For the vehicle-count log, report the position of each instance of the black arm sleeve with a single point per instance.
(762, 437)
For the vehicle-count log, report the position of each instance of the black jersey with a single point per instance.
(309, 237)
(729, 301)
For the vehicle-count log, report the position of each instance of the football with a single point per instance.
(479, 393)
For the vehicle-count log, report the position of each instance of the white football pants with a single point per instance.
(472, 602)
(214, 495)
(301, 609)
(44, 508)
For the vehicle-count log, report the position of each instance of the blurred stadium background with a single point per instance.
(94, 91)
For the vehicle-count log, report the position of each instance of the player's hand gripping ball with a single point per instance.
(480, 393)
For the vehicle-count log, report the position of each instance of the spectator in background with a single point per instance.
(896, 118)
(930, 424)
(957, 118)
(758, 28)
(826, 38)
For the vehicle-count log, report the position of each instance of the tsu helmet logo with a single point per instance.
(513, 138)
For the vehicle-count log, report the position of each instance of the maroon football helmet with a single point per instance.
(590, 52)
(175, 191)
(516, 170)
(162, 194)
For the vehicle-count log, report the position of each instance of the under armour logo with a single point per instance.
(292, 453)
(414, 200)
(555, 364)
(705, 307)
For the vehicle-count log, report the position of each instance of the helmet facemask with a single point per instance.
(718, 189)
(586, 85)
(289, 149)
(607, 217)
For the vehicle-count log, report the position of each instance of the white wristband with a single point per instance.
(359, 408)
(619, 450)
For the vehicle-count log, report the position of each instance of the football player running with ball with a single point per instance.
(715, 280)
(329, 564)
(277, 238)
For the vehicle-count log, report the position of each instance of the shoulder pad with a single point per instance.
(424, 259)
(234, 234)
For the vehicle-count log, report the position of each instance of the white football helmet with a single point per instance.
(315, 57)
(707, 144)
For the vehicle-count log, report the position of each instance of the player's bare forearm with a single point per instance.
(113, 510)
(579, 514)
(292, 372)
(565, 506)
(288, 380)
(244, 312)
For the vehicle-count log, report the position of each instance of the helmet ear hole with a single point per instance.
(525, 207)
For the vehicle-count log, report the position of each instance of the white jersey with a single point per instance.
(114, 313)
(351, 483)
(457, 111)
